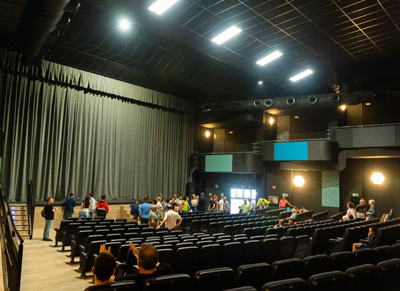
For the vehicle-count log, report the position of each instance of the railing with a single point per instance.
(361, 126)
(31, 207)
(13, 245)
(293, 140)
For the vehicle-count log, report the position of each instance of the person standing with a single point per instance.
(221, 205)
(102, 204)
(226, 207)
(194, 201)
(69, 204)
(49, 217)
(85, 208)
(361, 209)
(170, 219)
(135, 209)
(153, 217)
(252, 209)
(93, 201)
(211, 206)
(144, 211)
(245, 206)
(371, 213)
(186, 206)
(202, 203)
(284, 202)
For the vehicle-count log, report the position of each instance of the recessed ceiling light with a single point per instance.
(124, 24)
(227, 34)
(161, 6)
(301, 75)
(269, 58)
(260, 82)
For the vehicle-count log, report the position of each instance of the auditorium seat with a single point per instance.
(270, 250)
(165, 246)
(342, 261)
(365, 256)
(251, 252)
(223, 241)
(389, 274)
(286, 269)
(60, 231)
(316, 264)
(328, 281)
(241, 239)
(85, 246)
(210, 256)
(231, 255)
(255, 275)
(245, 288)
(199, 244)
(80, 240)
(216, 279)
(193, 228)
(228, 229)
(112, 236)
(186, 260)
(295, 284)
(364, 277)
(86, 258)
(301, 245)
(166, 256)
(67, 236)
(115, 286)
(130, 235)
(114, 247)
(384, 253)
(184, 244)
(122, 251)
(175, 282)
(286, 249)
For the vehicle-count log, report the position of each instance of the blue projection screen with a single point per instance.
(219, 163)
(291, 151)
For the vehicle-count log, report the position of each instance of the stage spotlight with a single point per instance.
(298, 181)
(343, 107)
(208, 133)
(124, 24)
(377, 178)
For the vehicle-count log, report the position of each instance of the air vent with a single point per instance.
(312, 99)
(257, 104)
(268, 103)
(290, 101)
(335, 98)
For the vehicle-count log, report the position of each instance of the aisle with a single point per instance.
(45, 268)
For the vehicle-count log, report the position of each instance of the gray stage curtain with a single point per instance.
(66, 139)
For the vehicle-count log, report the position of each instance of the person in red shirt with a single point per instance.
(102, 204)
(283, 202)
(292, 222)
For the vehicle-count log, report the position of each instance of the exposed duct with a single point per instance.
(48, 17)
(307, 101)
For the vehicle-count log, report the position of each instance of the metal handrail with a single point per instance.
(361, 126)
(31, 207)
(294, 140)
(7, 212)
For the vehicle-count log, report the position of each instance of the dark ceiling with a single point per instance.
(342, 41)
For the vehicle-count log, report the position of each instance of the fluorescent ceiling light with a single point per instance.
(227, 34)
(161, 6)
(301, 75)
(124, 24)
(269, 58)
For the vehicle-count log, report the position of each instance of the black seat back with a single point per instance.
(231, 254)
(295, 284)
(214, 279)
(251, 252)
(328, 281)
(116, 286)
(255, 275)
(183, 264)
(270, 250)
(176, 282)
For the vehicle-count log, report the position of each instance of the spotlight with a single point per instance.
(290, 101)
(271, 120)
(298, 181)
(208, 133)
(312, 99)
(260, 82)
(268, 103)
(257, 104)
(377, 178)
(124, 24)
(343, 107)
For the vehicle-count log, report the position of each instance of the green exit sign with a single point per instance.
(355, 194)
(284, 194)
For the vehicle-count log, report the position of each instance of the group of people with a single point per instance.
(361, 211)
(88, 207)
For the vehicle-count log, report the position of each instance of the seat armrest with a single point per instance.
(72, 237)
(73, 242)
(366, 242)
(82, 248)
(335, 241)
(84, 254)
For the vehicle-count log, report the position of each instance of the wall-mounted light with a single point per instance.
(377, 178)
(297, 117)
(271, 121)
(368, 104)
(231, 132)
(298, 181)
(343, 107)
(208, 133)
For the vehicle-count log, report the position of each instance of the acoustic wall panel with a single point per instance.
(330, 189)
(291, 151)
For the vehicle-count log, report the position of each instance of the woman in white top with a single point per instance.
(159, 205)
(351, 212)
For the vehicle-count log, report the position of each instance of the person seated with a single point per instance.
(149, 267)
(103, 267)
(294, 213)
(292, 221)
(281, 223)
(371, 238)
(351, 212)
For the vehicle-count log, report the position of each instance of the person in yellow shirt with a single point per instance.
(262, 203)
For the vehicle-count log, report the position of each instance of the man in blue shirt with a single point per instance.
(69, 204)
(144, 211)
(135, 209)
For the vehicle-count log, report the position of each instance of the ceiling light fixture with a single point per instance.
(377, 178)
(301, 75)
(124, 24)
(161, 6)
(269, 58)
(343, 107)
(260, 82)
(208, 133)
(298, 181)
(271, 120)
(227, 34)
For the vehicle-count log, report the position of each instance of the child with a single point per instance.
(371, 238)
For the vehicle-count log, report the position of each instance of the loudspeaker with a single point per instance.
(195, 162)
(190, 189)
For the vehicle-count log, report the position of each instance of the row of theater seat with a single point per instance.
(367, 277)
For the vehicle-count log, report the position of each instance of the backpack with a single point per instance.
(43, 212)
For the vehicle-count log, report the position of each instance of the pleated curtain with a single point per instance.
(70, 132)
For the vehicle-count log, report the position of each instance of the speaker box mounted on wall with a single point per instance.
(195, 162)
